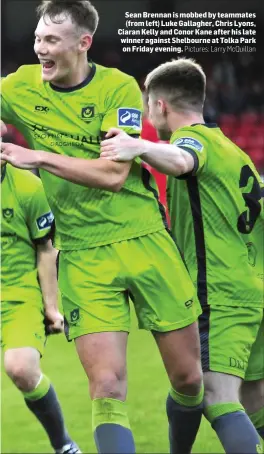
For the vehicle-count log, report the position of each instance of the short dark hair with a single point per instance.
(82, 12)
(181, 81)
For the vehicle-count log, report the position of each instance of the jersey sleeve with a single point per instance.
(124, 107)
(7, 88)
(40, 219)
(196, 147)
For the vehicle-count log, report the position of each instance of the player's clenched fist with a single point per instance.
(54, 322)
(119, 146)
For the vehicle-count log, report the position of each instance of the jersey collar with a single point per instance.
(208, 125)
(81, 85)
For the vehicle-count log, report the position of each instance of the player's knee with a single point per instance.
(189, 383)
(21, 373)
(108, 384)
(220, 388)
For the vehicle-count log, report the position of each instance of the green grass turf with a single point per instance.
(148, 386)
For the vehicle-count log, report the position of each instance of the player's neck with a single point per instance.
(81, 73)
(179, 120)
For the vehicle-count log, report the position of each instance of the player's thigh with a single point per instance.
(227, 335)
(255, 369)
(22, 325)
(180, 351)
(161, 288)
(103, 356)
(93, 295)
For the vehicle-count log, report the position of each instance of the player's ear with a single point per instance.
(85, 42)
(161, 105)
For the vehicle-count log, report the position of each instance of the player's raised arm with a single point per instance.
(166, 158)
(123, 110)
(96, 173)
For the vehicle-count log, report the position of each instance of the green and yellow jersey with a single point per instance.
(71, 122)
(26, 219)
(217, 218)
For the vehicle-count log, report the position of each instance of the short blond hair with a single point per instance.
(81, 12)
(182, 82)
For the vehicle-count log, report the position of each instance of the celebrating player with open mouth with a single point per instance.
(216, 208)
(113, 242)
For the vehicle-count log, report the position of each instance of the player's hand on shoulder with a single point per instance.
(119, 146)
(54, 321)
(20, 157)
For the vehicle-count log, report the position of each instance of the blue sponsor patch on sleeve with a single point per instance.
(130, 118)
(189, 142)
(45, 221)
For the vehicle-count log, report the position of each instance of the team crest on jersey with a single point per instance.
(75, 315)
(45, 221)
(130, 118)
(8, 214)
(88, 113)
(189, 142)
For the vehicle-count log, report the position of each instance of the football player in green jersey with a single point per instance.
(28, 296)
(113, 242)
(216, 210)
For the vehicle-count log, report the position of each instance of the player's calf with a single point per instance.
(180, 350)
(22, 366)
(227, 415)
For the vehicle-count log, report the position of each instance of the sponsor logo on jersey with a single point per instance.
(75, 315)
(237, 363)
(189, 142)
(130, 118)
(62, 138)
(45, 221)
(8, 214)
(43, 109)
(189, 304)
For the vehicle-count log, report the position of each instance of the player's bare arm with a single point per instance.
(166, 158)
(47, 274)
(97, 173)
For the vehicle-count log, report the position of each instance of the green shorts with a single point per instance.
(96, 285)
(232, 341)
(22, 325)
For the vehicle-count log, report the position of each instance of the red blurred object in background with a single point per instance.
(247, 132)
(17, 137)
